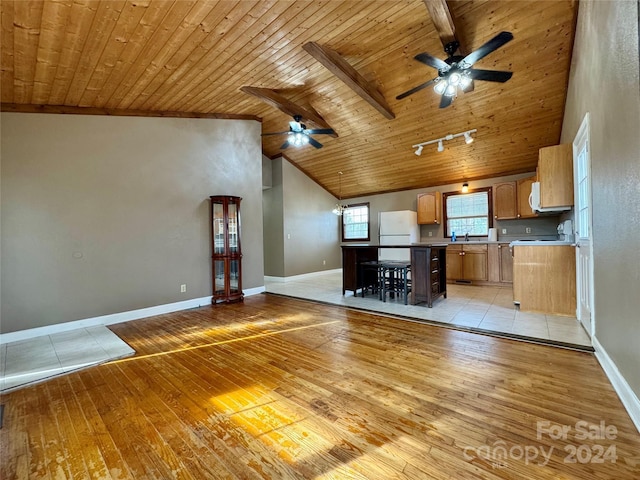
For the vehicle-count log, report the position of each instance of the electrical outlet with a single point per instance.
(431, 234)
(527, 230)
(324, 262)
(183, 288)
(504, 231)
(288, 236)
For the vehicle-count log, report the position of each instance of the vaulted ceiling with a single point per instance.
(187, 57)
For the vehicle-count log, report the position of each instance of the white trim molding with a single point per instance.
(620, 385)
(114, 318)
(302, 276)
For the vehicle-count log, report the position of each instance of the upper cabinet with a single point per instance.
(505, 201)
(511, 199)
(555, 174)
(524, 190)
(429, 208)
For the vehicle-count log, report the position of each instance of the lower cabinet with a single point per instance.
(544, 279)
(467, 263)
(500, 263)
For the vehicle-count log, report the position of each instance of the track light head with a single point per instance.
(468, 138)
(418, 152)
(440, 146)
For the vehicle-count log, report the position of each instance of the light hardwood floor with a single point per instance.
(281, 388)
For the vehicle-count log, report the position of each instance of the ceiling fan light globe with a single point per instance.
(440, 87)
(465, 81)
(455, 78)
(450, 91)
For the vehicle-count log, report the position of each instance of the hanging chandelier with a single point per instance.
(339, 208)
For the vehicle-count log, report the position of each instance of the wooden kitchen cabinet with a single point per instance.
(524, 190)
(500, 263)
(429, 206)
(467, 262)
(474, 262)
(544, 279)
(555, 174)
(505, 201)
(454, 263)
(511, 199)
(506, 263)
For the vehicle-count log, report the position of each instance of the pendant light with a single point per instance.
(339, 208)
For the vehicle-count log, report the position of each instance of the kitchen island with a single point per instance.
(428, 269)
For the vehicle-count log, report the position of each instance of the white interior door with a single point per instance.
(582, 196)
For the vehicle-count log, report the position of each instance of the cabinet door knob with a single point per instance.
(495, 216)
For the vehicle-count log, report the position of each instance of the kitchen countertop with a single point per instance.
(541, 243)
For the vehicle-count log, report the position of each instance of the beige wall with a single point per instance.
(605, 81)
(109, 214)
(302, 235)
(273, 211)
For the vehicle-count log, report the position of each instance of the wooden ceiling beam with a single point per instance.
(338, 66)
(286, 106)
(443, 21)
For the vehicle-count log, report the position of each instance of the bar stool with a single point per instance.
(370, 275)
(394, 279)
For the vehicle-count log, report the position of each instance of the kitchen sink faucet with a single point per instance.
(466, 237)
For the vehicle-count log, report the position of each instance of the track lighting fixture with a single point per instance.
(440, 141)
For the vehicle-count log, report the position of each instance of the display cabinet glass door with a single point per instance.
(226, 251)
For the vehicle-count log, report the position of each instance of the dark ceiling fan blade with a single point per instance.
(493, 44)
(489, 75)
(415, 89)
(432, 61)
(445, 101)
(284, 145)
(315, 143)
(274, 133)
(319, 131)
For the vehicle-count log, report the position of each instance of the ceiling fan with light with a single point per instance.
(456, 72)
(299, 135)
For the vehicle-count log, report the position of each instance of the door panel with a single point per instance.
(582, 195)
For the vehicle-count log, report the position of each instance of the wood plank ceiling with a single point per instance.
(189, 57)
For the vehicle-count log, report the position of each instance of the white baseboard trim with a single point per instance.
(620, 385)
(302, 275)
(114, 318)
(253, 291)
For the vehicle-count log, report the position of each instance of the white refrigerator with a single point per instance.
(398, 228)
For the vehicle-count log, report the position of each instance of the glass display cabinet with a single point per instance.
(226, 262)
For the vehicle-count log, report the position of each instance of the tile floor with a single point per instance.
(29, 361)
(466, 306)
